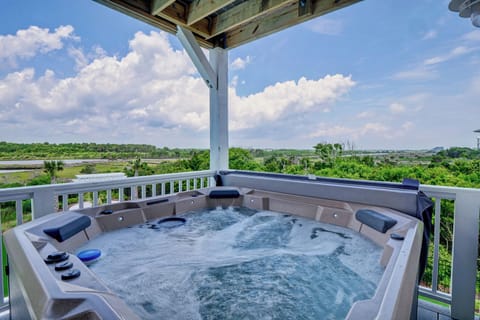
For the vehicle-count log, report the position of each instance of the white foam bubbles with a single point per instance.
(237, 263)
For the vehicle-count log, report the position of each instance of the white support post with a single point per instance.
(215, 74)
(219, 111)
(465, 246)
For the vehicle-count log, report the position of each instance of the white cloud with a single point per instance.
(152, 92)
(456, 52)
(366, 115)
(239, 63)
(290, 97)
(382, 133)
(431, 34)
(326, 131)
(322, 25)
(29, 42)
(234, 81)
(397, 108)
(81, 59)
(407, 125)
(344, 133)
(419, 73)
(472, 36)
(77, 54)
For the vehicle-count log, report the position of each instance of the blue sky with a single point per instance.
(380, 74)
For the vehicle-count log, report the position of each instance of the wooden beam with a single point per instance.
(177, 14)
(158, 6)
(140, 13)
(305, 7)
(143, 14)
(243, 13)
(200, 9)
(279, 20)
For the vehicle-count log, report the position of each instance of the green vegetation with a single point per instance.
(20, 151)
(452, 167)
(51, 168)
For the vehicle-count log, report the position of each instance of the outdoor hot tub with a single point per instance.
(48, 280)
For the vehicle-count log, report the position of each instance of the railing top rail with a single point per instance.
(445, 192)
(20, 193)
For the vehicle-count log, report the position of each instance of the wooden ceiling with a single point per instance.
(226, 23)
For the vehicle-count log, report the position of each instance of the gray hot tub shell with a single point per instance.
(38, 292)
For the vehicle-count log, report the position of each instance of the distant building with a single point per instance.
(97, 177)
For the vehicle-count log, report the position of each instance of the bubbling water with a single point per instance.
(237, 263)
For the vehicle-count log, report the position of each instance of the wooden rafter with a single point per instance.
(200, 9)
(283, 18)
(157, 6)
(226, 23)
(244, 12)
(177, 13)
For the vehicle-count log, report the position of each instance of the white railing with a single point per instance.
(47, 199)
(464, 252)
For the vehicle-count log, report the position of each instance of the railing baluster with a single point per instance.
(121, 196)
(194, 183)
(180, 185)
(436, 243)
(80, 200)
(172, 186)
(19, 212)
(144, 191)
(154, 189)
(64, 202)
(95, 199)
(109, 196)
(133, 192)
(163, 188)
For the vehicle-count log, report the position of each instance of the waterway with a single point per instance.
(40, 162)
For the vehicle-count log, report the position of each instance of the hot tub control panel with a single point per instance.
(67, 267)
(60, 258)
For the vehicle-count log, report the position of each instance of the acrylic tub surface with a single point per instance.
(38, 290)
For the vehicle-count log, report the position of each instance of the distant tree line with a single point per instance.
(25, 151)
